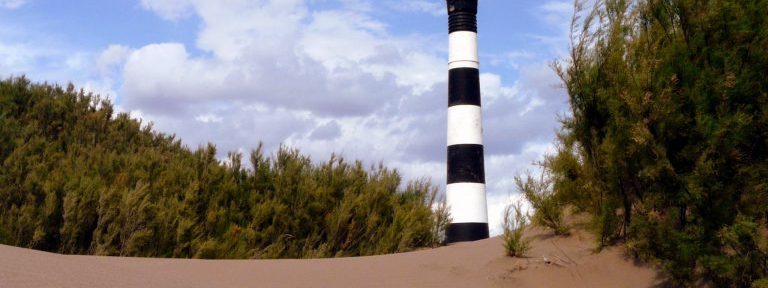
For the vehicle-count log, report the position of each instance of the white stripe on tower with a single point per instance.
(465, 125)
(462, 51)
(465, 192)
(472, 206)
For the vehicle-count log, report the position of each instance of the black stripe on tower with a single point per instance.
(465, 164)
(462, 15)
(463, 86)
(460, 232)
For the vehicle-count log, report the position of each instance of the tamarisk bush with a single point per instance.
(78, 178)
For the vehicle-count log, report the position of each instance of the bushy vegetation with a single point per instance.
(514, 224)
(762, 283)
(75, 177)
(667, 142)
(548, 208)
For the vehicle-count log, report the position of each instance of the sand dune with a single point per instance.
(553, 262)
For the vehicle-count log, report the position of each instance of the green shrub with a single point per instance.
(442, 218)
(4, 238)
(514, 224)
(76, 177)
(548, 210)
(762, 283)
(745, 255)
(665, 144)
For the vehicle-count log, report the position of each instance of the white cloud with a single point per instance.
(557, 12)
(328, 131)
(556, 15)
(510, 59)
(12, 4)
(432, 7)
(78, 61)
(16, 57)
(208, 118)
(523, 113)
(111, 58)
(370, 138)
(261, 50)
(169, 9)
(241, 30)
(158, 74)
(357, 5)
(344, 39)
(102, 88)
(353, 39)
(493, 89)
(40, 60)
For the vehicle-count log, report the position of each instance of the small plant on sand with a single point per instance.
(515, 223)
(548, 208)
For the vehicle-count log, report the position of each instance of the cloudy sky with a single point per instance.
(361, 78)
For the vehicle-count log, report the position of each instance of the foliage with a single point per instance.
(442, 218)
(514, 224)
(762, 283)
(76, 177)
(667, 141)
(548, 209)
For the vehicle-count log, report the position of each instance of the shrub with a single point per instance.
(665, 143)
(76, 177)
(548, 209)
(515, 223)
(441, 219)
(4, 238)
(762, 283)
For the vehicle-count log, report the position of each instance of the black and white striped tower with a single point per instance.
(465, 192)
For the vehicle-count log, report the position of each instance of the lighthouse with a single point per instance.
(465, 189)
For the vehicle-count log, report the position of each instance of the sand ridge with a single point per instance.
(552, 262)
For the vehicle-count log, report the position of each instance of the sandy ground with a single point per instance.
(552, 262)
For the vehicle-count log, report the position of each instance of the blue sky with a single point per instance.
(364, 78)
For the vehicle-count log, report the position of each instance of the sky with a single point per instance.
(366, 79)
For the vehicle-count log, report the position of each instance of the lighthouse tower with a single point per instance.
(465, 192)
